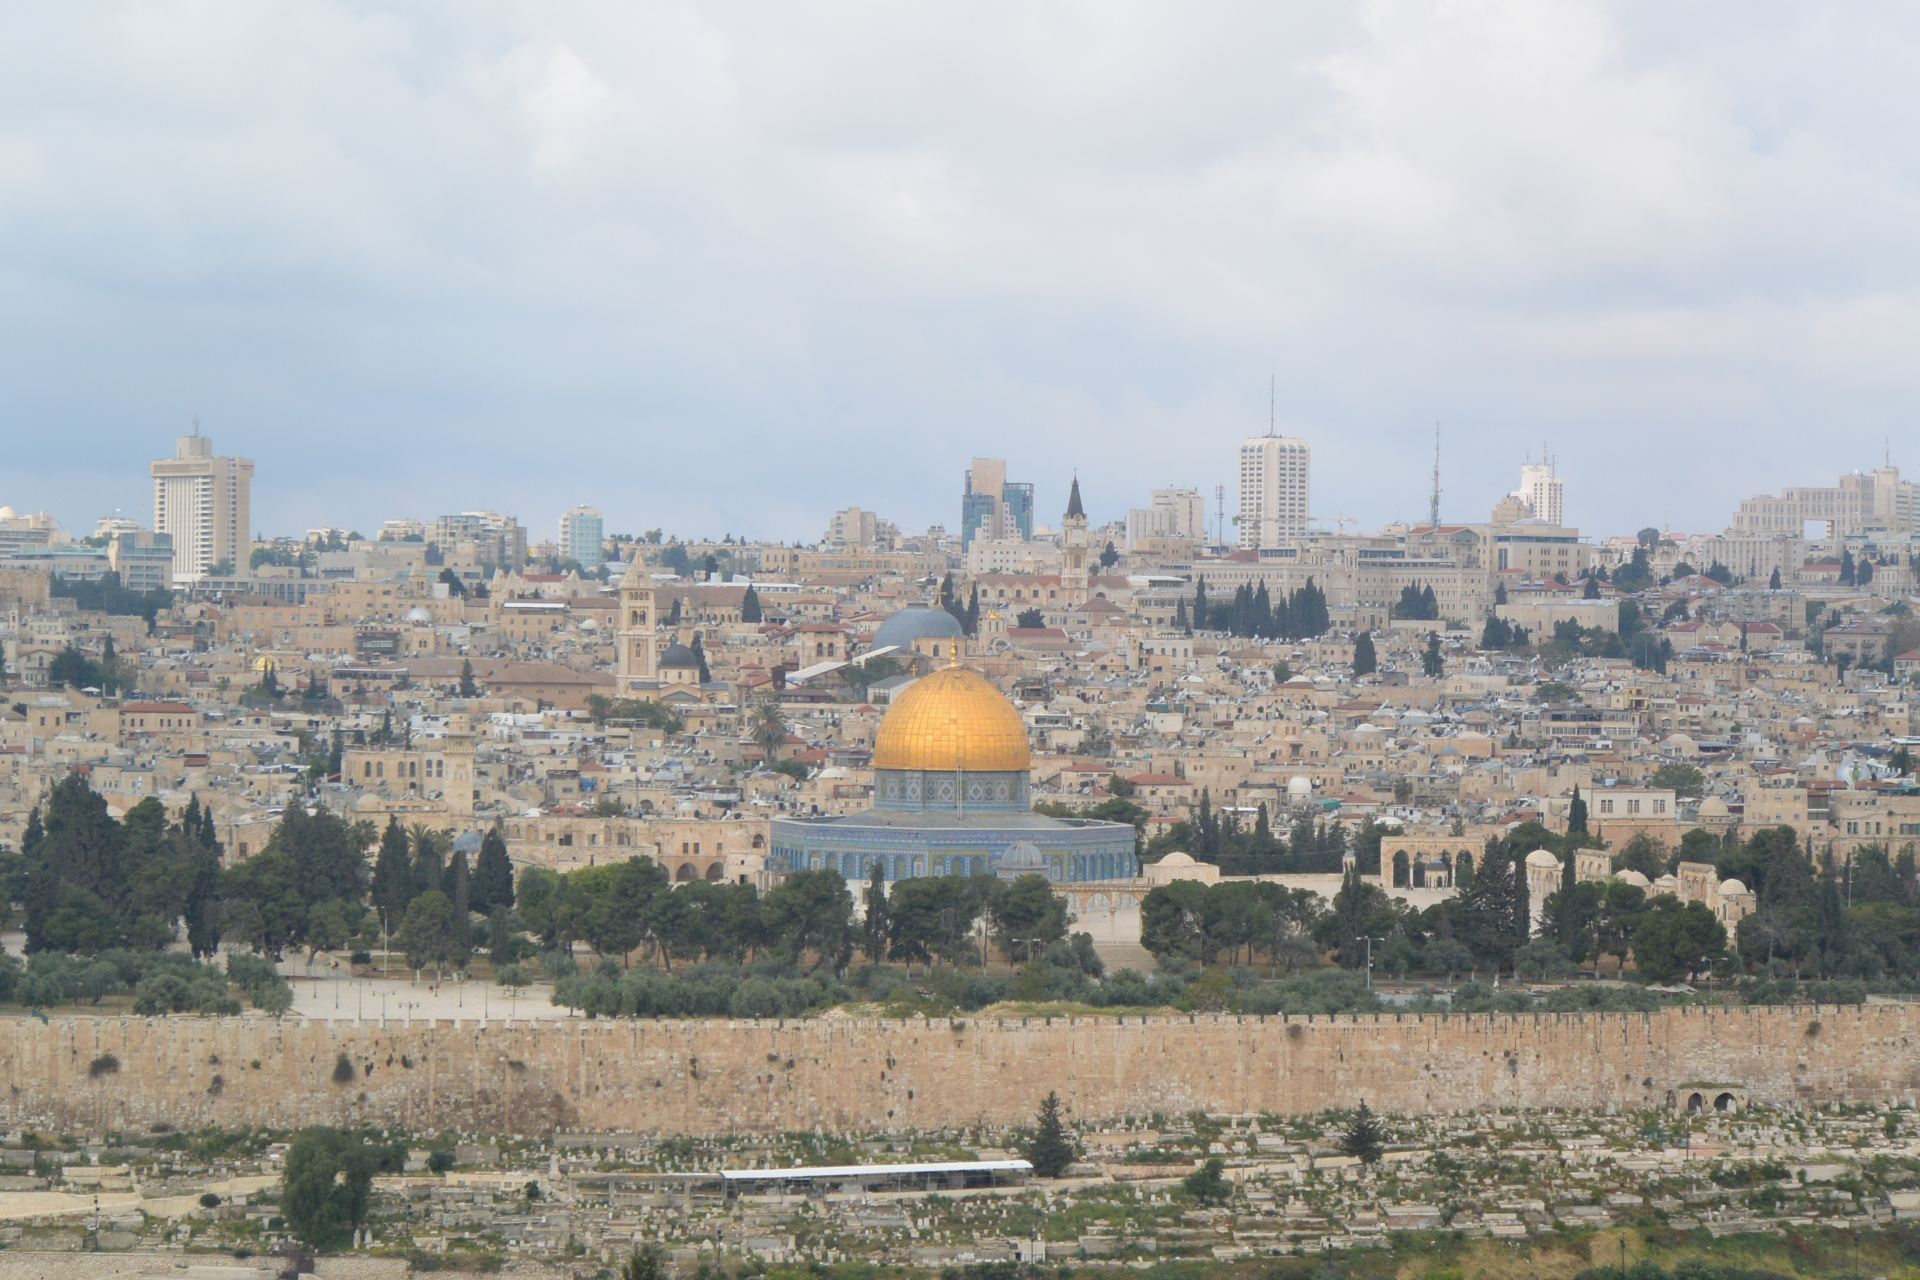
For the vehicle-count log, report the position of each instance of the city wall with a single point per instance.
(841, 1073)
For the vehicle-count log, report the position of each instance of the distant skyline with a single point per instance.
(722, 269)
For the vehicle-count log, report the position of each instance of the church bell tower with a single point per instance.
(638, 665)
(1076, 584)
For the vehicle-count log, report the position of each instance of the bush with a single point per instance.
(343, 1070)
(1322, 991)
(104, 1065)
(755, 998)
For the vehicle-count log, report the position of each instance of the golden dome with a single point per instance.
(952, 720)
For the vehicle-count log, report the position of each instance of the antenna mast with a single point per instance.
(1272, 384)
(1219, 514)
(1433, 502)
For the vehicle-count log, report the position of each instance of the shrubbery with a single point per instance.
(161, 982)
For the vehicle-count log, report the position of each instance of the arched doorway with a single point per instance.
(1400, 870)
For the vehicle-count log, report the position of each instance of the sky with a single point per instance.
(724, 268)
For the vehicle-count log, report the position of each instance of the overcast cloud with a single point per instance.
(724, 267)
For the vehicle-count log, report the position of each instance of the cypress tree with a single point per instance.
(1052, 1149)
(1577, 815)
(1365, 1138)
(750, 605)
(874, 929)
(460, 892)
(492, 874)
(1365, 660)
(700, 653)
(393, 886)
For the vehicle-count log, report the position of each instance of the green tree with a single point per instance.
(468, 687)
(1208, 1184)
(932, 917)
(1431, 663)
(1676, 940)
(607, 906)
(810, 911)
(874, 925)
(1029, 619)
(1576, 818)
(71, 668)
(1682, 779)
(1027, 917)
(767, 729)
(428, 934)
(1365, 660)
(1644, 854)
(1364, 1138)
(1173, 922)
(328, 1178)
(750, 606)
(492, 886)
(393, 885)
(1052, 1149)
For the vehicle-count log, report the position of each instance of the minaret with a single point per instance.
(638, 664)
(456, 752)
(1075, 580)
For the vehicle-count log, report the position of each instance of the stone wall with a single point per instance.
(840, 1073)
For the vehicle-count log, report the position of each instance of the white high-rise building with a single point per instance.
(1274, 484)
(582, 537)
(205, 504)
(1542, 490)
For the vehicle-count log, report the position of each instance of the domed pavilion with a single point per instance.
(951, 797)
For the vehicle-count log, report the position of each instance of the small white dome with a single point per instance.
(1713, 807)
(1299, 786)
(1542, 858)
(1731, 888)
(1636, 879)
(1178, 859)
(418, 614)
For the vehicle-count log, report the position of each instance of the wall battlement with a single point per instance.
(841, 1074)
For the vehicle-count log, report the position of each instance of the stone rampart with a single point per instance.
(840, 1073)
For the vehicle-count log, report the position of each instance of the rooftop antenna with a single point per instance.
(1433, 502)
(1219, 514)
(1272, 385)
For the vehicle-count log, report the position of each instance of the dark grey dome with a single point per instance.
(679, 657)
(917, 622)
